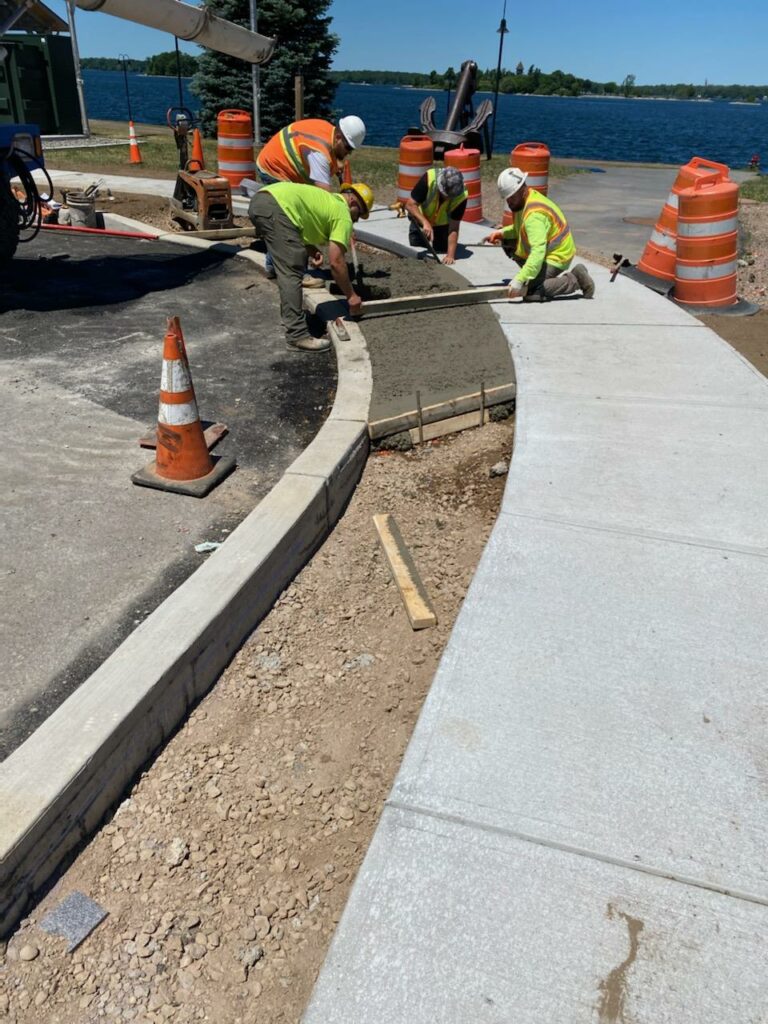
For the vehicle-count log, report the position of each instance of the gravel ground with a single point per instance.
(229, 862)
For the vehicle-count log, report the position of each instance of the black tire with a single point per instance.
(9, 223)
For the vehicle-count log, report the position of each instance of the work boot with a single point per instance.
(586, 283)
(309, 344)
(308, 281)
(270, 272)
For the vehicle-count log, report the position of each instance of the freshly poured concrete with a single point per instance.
(579, 826)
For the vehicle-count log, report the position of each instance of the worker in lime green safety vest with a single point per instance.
(435, 207)
(540, 242)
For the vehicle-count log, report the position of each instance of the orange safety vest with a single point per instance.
(286, 155)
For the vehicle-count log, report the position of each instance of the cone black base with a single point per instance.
(149, 477)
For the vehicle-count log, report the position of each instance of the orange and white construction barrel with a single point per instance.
(468, 162)
(533, 158)
(234, 151)
(707, 244)
(416, 158)
(658, 257)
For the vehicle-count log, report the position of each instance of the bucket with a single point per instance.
(82, 210)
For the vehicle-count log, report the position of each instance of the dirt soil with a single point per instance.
(443, 353)
(229, 862)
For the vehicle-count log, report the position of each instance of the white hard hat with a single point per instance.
(510, 180)
(353, 130)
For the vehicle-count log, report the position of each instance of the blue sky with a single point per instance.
(657, 41)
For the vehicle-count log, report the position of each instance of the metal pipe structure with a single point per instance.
(84, 124)
(256, 79)
(502, 30)
(194, 24)
(7, 25)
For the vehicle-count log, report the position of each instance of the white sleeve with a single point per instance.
(319, 168)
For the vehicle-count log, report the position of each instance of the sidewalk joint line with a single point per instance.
(553, 844)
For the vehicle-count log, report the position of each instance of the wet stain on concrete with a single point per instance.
(614, 988)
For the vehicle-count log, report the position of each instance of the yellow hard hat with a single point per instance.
(363, 193)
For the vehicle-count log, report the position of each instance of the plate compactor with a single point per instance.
(202, 200)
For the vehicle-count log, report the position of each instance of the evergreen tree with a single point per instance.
(305, 45)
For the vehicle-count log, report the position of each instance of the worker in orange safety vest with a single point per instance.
(310, 152)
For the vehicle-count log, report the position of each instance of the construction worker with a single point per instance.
(308, 152)
(435, 208)
(540, 242)
(295, 220)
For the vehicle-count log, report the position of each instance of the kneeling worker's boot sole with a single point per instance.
(586, 283)
(310, 344)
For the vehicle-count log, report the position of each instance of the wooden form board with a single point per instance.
(440, 411)
(418, 607)
(436, 300)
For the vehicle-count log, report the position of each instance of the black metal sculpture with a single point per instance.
(464, 125)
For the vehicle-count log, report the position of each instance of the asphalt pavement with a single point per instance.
(86, 554)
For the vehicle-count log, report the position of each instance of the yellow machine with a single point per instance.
(202, 200)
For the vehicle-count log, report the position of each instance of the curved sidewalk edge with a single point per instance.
(56, 786)
(577, 830)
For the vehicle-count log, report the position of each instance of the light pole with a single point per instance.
(502, 30)
(125, 58)
(256, 80)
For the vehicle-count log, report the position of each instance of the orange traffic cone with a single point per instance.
(134, 146)
(347, 175)
(197, 149)
(182, 463)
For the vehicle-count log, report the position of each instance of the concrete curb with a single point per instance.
(56, 787)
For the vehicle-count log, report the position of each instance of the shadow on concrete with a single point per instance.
(46, 281)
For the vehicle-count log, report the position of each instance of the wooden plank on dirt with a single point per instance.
(405, 574)
(436, 300)
(440, 411)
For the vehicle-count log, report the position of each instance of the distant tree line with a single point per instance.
(159, 64)
(555, 83)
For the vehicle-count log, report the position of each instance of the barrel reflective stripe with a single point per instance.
(702, 229)
(709, 272)
(241, 142)
(471, 175)
(662, 240)
(177, 414)
(233, 165)
(536, 180)
(413, 170)
(474, 201)
(175, 376)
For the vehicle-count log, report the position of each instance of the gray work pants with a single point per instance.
(289, 255)
(550, 281)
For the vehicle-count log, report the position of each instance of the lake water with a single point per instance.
(659, 131)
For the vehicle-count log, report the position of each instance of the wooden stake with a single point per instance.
(421, 417)
(482, 403)
(436, 300)
(405, 574)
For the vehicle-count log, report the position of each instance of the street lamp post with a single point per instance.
(256, 80)
(125, 58)
(502, 30)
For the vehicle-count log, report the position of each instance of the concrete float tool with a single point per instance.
(439, 300)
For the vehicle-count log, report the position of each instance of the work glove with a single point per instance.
(516, 289)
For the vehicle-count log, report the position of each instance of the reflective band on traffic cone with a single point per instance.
(182, 461)
(133, 145)
(197, 149)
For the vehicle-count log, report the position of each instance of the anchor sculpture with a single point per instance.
(464, 125)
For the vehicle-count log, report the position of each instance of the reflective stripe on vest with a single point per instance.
(558, 225)
(438, 213)
(293, 140)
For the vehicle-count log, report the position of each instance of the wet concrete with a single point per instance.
(442, 353)
(86, 554)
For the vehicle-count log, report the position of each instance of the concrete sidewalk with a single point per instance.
(578, 829)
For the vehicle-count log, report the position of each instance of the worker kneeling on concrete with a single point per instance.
(295, 220)
(540, 242)
(435, 207)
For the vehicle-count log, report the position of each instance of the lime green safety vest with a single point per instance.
(436, 211)
(560, 244)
